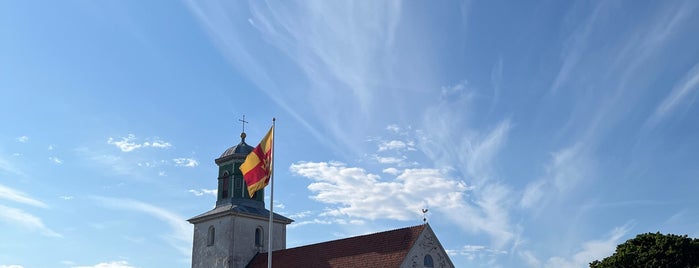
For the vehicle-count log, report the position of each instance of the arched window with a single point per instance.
(210, 236)
(258, 237)
(224, 191)
(428, 262)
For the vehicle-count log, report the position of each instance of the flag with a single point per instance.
(258, 164)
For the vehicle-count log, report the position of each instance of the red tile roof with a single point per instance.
(385, 249)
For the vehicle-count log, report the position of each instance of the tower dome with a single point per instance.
(241, 150)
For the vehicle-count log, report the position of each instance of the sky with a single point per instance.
(537, 133)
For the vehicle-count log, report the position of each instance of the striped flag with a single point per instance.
(258, 164)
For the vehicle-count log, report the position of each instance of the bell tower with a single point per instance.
(229, 235)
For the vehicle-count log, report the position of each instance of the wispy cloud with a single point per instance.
(22, 139)
(475, 251)
(396, 145)
(453, 143)
(115, 163)
(202, 192)
(340, 50)
(684, 92)
(112, 264)
(55, 160)
(576, 45)
(14, 195)
(11, 266)
(26, 220)
(128, 143)
(591, 250)
(393, 128)
(181, 232)
(300, 215)
(567, 168)
(327, 221)
(9, 167)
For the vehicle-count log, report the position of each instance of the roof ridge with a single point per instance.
(420, 226)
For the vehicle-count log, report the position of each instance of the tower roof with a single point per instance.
(244, 207)
(241, 150)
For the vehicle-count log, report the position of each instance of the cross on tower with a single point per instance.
(243, 120)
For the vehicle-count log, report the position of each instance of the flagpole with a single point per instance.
(271, 198)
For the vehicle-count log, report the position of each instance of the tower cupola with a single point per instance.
(231, 186)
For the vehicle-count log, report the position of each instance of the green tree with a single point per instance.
(654, 250)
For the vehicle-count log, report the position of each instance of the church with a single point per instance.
(234, 233)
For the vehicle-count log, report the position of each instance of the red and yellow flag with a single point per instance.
(258, 164)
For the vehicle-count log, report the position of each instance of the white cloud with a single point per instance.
(389, 159)
(393, 128)
(185, 162)
(125, 144)
(591, 250)
(25, 220)
(22, 139)
(359, 194)
(113, 264)
(181, 236)
(162, 173)
(297, 224)
(201, 192)
(128, 144)
(19, 197)
(395, 145)
(392, 171)
(67, 197)
(50, 148)
(300, 215)
(55, 160)
(157, 144)
(11, 266)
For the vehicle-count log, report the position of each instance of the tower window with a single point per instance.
(211, 236)
(224, 192)
(428, 262)
(258, 237)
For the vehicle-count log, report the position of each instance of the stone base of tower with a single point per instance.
(230, 236)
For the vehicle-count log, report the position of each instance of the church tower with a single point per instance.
(233, 232)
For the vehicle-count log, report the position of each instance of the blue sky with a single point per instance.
(538, 133)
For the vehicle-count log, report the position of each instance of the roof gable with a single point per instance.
(384, 249)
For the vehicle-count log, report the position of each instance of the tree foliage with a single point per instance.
(654, 250)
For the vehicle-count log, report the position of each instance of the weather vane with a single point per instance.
(424, 215)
